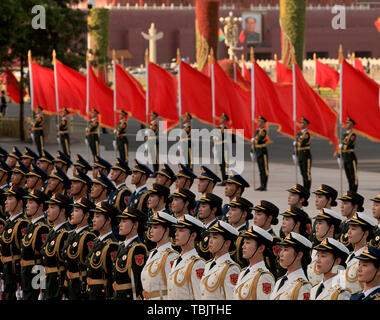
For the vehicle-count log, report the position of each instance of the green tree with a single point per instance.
(99, 32)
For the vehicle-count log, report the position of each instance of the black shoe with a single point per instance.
(261, 189)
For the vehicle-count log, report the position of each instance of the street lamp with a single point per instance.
(231, 33)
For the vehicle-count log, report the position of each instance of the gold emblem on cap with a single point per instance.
(163, 167)
(366, 250)
(324, 241)
(288, 236)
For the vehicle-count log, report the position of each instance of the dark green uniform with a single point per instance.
(38, 132)
(10, 250)
(120, 197)
(74, 254)
(237, 254)
(304, 156)
(375, 242)
(35, 235)
(187, 140)
(349, 159)
(261, 152)
(343, 237)
(92, 136)
(155, 137)
(139, 200)
(63, 135)
(221, 140)
(202, 245)
(122, 140)
(99, 268)
(51, 252)
(127, 268)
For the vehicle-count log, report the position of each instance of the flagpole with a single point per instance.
(253, 112)
(179, 88)
(211, 63)
(88, 99)
(234, 64)
(340, 58)
(114, 93)
(315, 68)
(295, 109)
(56, 87)
(147, 87)
(30, 80)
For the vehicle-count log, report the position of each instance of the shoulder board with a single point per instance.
(168, 250)
(303, 281)
(231, 263)
(208, 261)
(195, 258)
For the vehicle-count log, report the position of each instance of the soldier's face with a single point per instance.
(52, 184)
(96, 190)
(216, 242)
(177, 204)
(26, 162)
(230, 189)
(355, 234)
(260, 123)
(234, 215)
(287, 225)
(43, 165)
(125, 226)
(249, 247)
(52, 211)
(321, 228)
(347, 209)
(76, 216)
(161, 179)
(180, 182)
(31, 181)
(153, 201)
(16, 178)
(293, 199)
(367, 271)
(10, 203)
(182, 236)
(156, 232)
(11, 161)
(136, 176)
(260, 219)
(287, 256)
(376, 210)
(95, 171)
(203, 184)
(98, 222)
(325, 261)
(31, 207)
(349, 125)
(204, 210)
(114, 174)
(76, 187)
(320, 201)
(303, 125)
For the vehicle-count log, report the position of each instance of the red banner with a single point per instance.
(283, 73)
(12, 86)
(325, 76)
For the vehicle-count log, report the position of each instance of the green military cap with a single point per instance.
(132, 213)
(185, 172)
(214, 201)
(17, 192)
(120, 164)
(167, 172)
(159, 189)
(37, 196)
(101, 163)
(20, 168)
(327, 191)
(37, 172)
(82, 177)
(354, 198)
(15, 153)
(244, 205)
(81, 162)
(4, 167)
(46, 157)
(85, 204)
(207, 174)
(297, 214)
(107, 209)
(63, 158)
(29, 154)
(269, 209)
(183, 193)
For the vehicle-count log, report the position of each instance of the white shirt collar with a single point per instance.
(139, 188)
(260, 264)
(357, 253)
(223, 258)
(81, 228)
(128, 241)
(60, 225)
(369, 291)
(105, 235)
(328, 283)
(164, 246)
(269, 230)
(296, 274)
(14, 217)
(190, 253)
(209, 224)
(119, 185)
(36, 219)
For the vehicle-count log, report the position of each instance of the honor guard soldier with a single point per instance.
(10, 240)
(327, 226)
(255, 282)
(81, 164)
(294, 257)
(35, 235)
(187, 271)
(369, 274)
(62, 161)
(347, 149)
(266, 215)
(131, 256)
(35, 178)
(58, 182)
(160, 261)
(139, 197)
(352, 202)
(63, 133)
(206, 184)
(5, 173)
(119, 173)
(183, 202)
(235, 186)
(259, 147)
(37, 131)
(298, 196)
(3, 154)
(221, 273)
(295, 220)
(29, 157)
(121, 136)
(360, 231)
(302, 145)
(102, 254)
(100, 165)
(101, 188)
(13, 157)
(331, 257)
(80, 186)
(58, 212)
(220, 139)
(210, 209)
(19, 175)
(239, 215)
(45, 162)
(165, 176)
(92, 133)
(154, 136)
(375, 242)
(187, 139)
(77, 247)
(185, 177)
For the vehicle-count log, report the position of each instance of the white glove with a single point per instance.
(114, 145)
(253, 156)
(252, 140)
(340, 146)
(294, 143)
(294, 158)
(114, 131)
(58, 141)
(340, 162)
(86, 141)
(19, 294)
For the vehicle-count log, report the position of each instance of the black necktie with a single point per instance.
(320, 289)
(352, 255)
(212, 264)
(178, 260)
(282, 282)
(154, 252)
(361, 296)
(246, 272)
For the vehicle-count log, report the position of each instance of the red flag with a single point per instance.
(246, 84)
(43, 88)
(195, 93)
(100, 74)
(246, 72)
(360, 101)
(71, 89)
(101, 99)
(359, 65)
(377, 24)
(323, 119)
(283, 73)
(242, 37)
(130, 95)
(325, 76)
(162, 91)
(12, 86)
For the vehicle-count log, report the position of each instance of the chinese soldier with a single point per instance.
(63, 133)
(153, 135)
(185, 177)
(220, 142)
(221, 273)
(131, 256)
(100, 164)
(62, 161)
(92, 133)
(35, 235)
(10, 240)
(375, 242)
(80, 186)
(45, 162)
(186, 139)
(101, 188)
(5, 173)
(77, 247)
(165, 176)
(121, 136)
(119, 173)
(99, 261)
(29, 157)
(37, 131)
(58, 212)
(259, 146)
(187, 271)
(3, 154)
(13, 157)
(35, 178)
(58, 182)
(81, 164)
(348, 154)
(303, 152)
(19, 175)
(183, 202)
(255, 282)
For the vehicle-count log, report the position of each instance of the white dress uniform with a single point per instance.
(297, 287)
(314, 276)
(257, 284)
(185, 277)
(155, 272)
(332, 290)
(349, 277)
(219, 281)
